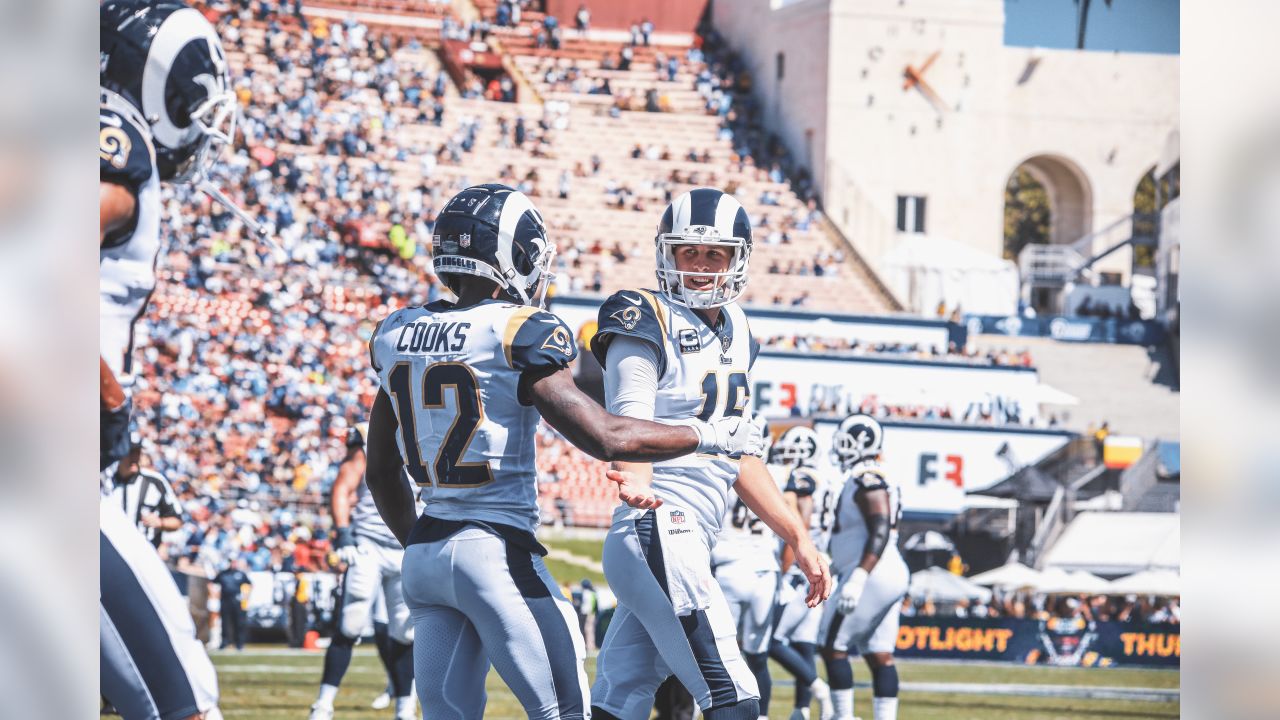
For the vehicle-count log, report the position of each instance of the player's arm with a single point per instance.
(344, 489)
(388, 485)
(541, 347)
(166, 517)
(760, 493)
(116, 206)
(874, 506)
(605, 436)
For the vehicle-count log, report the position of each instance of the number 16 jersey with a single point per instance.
(466, 424)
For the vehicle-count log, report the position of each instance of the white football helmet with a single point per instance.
(703, 216)
(797, 446)
(858, 438)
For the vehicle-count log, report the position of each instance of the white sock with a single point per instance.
(885, 708)
(327, 694)
(405, 705)
(843, 702)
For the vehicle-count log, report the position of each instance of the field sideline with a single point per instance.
(271, 683)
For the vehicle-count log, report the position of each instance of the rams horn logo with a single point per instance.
(628, 316)
(559, 340)
(114, 146)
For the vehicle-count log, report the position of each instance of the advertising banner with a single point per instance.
(934, 463)
(1064, 642)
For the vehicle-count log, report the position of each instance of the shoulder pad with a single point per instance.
(869, 476)
(373, 339)
(634, 313)
(356, 435)
(125, 154)
(535, 338)
(802, 482)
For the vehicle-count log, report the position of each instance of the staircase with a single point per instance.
(1056, 266)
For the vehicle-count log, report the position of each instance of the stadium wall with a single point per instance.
(666, 15)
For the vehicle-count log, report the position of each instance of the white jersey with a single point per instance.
(744, 539)
(466, 429)
(849, 533)
(826, 489)
(703, 373)
(366, 521)
(127, 257)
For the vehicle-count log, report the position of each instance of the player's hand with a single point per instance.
(344, 545)
(816, 571)
(732, 436)
(151, 520)
(633, 491)
(851, 592)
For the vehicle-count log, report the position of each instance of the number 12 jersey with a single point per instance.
(466, 424)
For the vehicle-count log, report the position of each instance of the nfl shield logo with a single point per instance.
(677, 517)
(465, 240)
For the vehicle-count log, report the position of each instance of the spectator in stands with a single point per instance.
(646, 30)
(635, 34)
(582, 19)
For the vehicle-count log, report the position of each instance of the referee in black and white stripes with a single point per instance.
(145, 496)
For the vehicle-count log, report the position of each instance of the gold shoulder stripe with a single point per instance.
(514, 323)
(657, 310)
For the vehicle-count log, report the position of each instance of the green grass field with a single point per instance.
(267, 683)
(270, 683)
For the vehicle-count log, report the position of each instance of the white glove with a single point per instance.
(851, 592)
(348, 554)
(732, 436)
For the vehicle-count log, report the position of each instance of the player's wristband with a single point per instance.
(706, 436)
(343, 537)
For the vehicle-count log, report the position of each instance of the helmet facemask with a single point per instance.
(727, 285)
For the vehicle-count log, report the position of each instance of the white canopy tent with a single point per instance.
(1164, 583)
(1013, 575)
(924, 271)
(1117, 543)
(1054, 581)
(939, 585)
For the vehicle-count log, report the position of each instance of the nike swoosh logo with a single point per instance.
(637, 301)
(111, 120)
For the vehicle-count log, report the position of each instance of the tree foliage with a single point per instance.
(1026, 213)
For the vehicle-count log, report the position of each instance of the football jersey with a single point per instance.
(849, 533)
(466, 427)
(744, 538)
(366, 522)
(127, 257)
(825, 491)
(703, 373)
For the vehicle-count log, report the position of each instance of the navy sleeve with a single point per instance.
(632, 313)
(539, 340)
(125, 156)
(801, 482)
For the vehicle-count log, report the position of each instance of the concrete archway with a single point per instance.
(1070, 196)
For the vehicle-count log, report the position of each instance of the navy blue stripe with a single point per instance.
(702, 206)
(144, 635)
(833, 631)
(696, 625)
(551, 625)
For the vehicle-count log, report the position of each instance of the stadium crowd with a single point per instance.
(1037, 606)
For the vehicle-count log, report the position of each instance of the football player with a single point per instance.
(165, 111)
(794, 642)
(372, 556)
(463, 386)
(872, 576)
(680, 353)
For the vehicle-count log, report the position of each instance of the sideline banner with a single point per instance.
(1060, 642)
(1070, 329)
